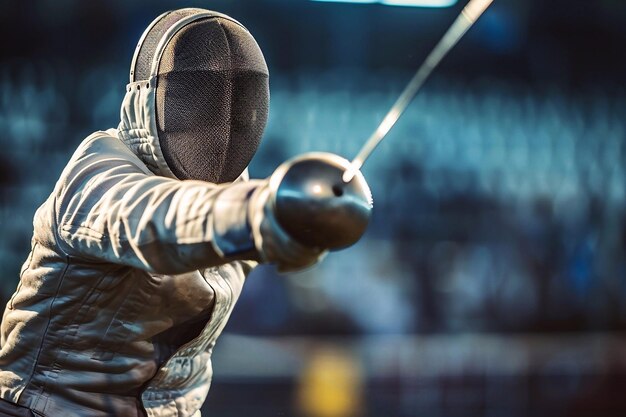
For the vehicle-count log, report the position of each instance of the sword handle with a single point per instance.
(315, 206)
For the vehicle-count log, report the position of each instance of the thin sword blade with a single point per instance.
(470, 13)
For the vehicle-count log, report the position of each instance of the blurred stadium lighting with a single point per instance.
(406, 3)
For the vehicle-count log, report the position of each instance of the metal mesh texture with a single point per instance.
(147, 49)
(212, 100)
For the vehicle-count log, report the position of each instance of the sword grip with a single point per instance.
(315, 206)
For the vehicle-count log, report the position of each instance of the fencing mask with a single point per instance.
(212, 92)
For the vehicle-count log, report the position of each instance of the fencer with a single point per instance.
(141, 250)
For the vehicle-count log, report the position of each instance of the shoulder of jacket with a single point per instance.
(97, 152)
(107, 142)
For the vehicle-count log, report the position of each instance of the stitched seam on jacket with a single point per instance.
(28, 263)
(81, 311)
(225, 306)
(100, 351)
(43, 338)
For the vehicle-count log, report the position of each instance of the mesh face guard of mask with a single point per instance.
(212, 92)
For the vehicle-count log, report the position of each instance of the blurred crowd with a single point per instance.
(497, 207)
(492, 279)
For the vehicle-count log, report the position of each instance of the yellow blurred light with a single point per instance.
(330, 385)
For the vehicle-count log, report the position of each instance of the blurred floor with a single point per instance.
(451, 375)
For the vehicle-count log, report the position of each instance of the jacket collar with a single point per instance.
(137, 128)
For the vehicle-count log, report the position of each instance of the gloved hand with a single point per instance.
(273, 243)
(306, 209)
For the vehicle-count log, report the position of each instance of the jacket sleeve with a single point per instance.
(110, 208)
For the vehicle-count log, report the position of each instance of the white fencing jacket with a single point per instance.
(130, 280)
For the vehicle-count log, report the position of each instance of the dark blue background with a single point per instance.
(499, 196)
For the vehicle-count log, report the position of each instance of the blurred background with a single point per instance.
(492, 280)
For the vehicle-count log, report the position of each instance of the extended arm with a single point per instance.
(110, 208)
